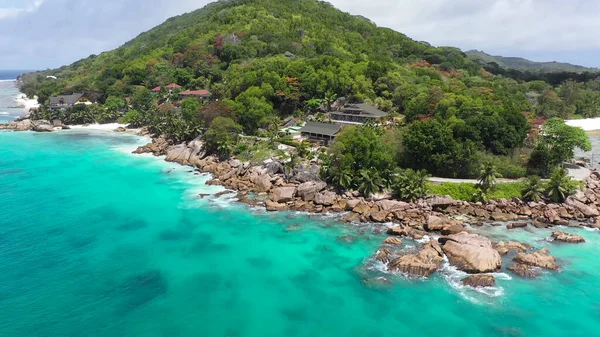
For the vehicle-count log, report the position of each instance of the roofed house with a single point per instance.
(201, 94)
(67, 101)
(357, 114)
(324, 133)
(171, 87)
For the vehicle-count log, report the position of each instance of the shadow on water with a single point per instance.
(204, 244)
(132, 225)
(140, 289)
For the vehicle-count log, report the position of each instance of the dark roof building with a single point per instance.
(65, 101)
(357, 114)
(322, 132)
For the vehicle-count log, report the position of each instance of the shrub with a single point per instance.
(507, 167)
(466, 191)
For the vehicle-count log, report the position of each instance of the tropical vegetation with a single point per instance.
(266, 60)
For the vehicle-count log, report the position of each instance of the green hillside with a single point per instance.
(523, 64)
(264, 60)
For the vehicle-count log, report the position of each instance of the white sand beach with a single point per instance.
(588, 124)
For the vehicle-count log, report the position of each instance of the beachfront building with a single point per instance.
(357, 114)
(324, 133)
(67, 101)
(199, 94)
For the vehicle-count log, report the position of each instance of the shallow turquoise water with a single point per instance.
(97, 242)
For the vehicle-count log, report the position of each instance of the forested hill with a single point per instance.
(523, 64)
(205, 47)
(264, 60)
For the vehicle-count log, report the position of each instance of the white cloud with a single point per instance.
(13, 12)
(528, 25)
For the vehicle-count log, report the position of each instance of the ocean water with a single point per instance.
(10, 108)
(97, 242)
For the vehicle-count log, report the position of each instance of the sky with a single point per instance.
(40, 34)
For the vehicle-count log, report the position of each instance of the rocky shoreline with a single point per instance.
(267, 185)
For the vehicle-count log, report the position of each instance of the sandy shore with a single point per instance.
(588, 124)
(100, 127)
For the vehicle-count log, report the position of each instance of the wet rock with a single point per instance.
(541, 258)
(23, 125)
(275, 206)
(524, 270)
(41, 126)
(516, 225)
(379, 282)
(283, 194)
(120, 129)
(393, 241)
(65, 127)
(453, 229)
(504, 247)
(350, 217)
(479, 281)
(566, 237)
(503, 217)
(539, 224)
(422, 264)
(361, 208)
(471, 253)
(380, 216)
(398, 231)
(384, 255)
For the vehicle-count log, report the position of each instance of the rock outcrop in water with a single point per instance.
(504, 248)
(422, 264)
(566, 237)
(479, 281)
(471, 253)
(541, 258)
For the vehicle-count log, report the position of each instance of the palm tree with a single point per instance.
(411, 185)
(341, 178)
(533, 189)
(369, 182)
(560, 186)
(487, 176)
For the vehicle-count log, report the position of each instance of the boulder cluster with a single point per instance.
(268, 185)
(26, 124)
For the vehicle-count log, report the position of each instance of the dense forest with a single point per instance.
(265, 60)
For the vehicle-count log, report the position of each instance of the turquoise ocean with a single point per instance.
(95, 241)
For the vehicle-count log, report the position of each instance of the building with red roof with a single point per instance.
(157, 89)
(204, 94)
(174, 86)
